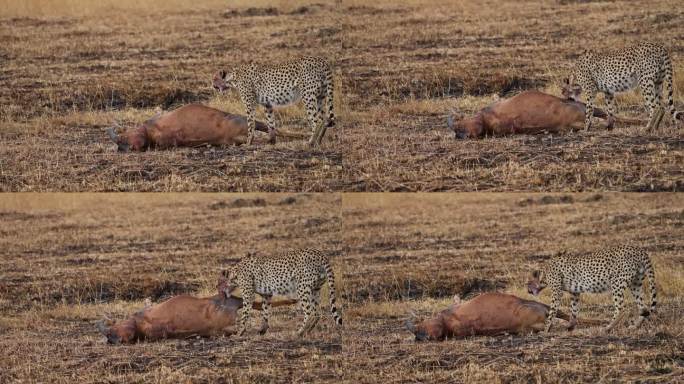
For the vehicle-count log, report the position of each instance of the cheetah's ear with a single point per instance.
(223, 73)
(571, 79)
(535, 274)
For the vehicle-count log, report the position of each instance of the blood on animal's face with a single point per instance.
(535, 284)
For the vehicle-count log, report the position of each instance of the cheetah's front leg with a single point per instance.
(247, 300)
(270, 120)
(250, 109)
(610, 101)
(589, 110)
(555, 303)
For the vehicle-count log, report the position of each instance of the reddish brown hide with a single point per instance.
(187, 126)
(181, 316)
(486, 314)
(529, 112)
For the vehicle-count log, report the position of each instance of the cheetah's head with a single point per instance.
(222, 285)
(570, 89)
(222, 81)
(536, 283)
(227, 283)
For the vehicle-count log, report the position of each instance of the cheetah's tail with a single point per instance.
(668, 87)
(329, 90)
(650, 275)
(331, 287)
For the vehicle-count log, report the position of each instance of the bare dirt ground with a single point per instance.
(401, 67)
(67, 260)
(413, 252)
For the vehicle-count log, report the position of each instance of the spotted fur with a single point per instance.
(308, 79)
(646, 66)
(299, 272)
(612, 269)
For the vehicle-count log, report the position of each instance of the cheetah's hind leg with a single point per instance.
(265, 305)
(658, 118)
(315, 313)
(320, 132)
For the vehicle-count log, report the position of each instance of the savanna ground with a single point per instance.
(413, 252)
(407, 65)
(67, 260)
(70, 68)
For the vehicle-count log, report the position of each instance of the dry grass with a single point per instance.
(69, 259)
(407, 65)
(407, 252)
(68, 76)
(71, 67)
(103, 8)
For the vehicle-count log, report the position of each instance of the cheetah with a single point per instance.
(611, 269)
(647, 66)
(302, 272)
(308, 79)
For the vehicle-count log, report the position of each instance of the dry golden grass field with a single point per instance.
(406, 252)
(70, 68)
(406, 65)
(68, 74)
(67, 260)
